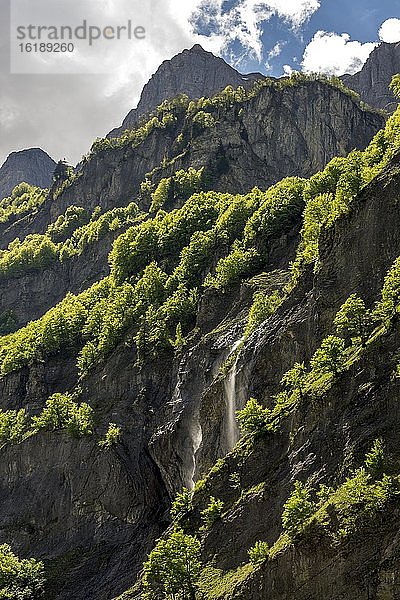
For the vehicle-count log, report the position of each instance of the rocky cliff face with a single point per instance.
(279, 133)
(93, 512)
(372, 82)
(33, 166)
(193, 72)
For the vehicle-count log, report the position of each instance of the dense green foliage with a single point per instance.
(65, 225)
(35, 252)
(212, 513)
(20, 579)
(258, 553)
(171, 254)
(158, 266)
(24, 199)
(61, 412)
(180, 186)
(68, 236)
(173, 568)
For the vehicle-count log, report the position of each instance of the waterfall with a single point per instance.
(231, 426)
(197, 438)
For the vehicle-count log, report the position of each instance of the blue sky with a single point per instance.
(360, 19)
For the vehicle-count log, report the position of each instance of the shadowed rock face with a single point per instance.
(372, 82)
(33, 166)
(193, 72)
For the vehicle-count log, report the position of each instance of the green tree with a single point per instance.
(375, 459)
(258, 553)
(254, 418)
(353, 319)
(61, 412)
(212, 513)
(13, 425)
(395, 85)
(297, 510)
(20, 579)
(112, 437)
(182, 504)
(264, 305)
(233, 267)
(173, 568)
(388, 306)
(294, 379)
(330, 357)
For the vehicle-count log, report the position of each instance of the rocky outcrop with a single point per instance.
(193, 72)
(33, 166)
(372, 82)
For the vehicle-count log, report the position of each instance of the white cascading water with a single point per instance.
(197, 438)
(231, 427)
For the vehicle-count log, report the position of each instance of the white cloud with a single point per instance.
(244, 21)
(287, 70)
(390, 31)
(335, 54)
(296, 12)
(273, 53)
(97, 103)
(64, 113)
(276, 50)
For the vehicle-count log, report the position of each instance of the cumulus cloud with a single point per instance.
(390, 31)
(243, 22)
(287, 70)
(335, 54)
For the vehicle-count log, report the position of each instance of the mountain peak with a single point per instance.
(199, 49)
(194, 72)
(372, 82)
(32, 165)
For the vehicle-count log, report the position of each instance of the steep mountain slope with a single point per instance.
(119, 396)
(372, 82)
(281, 129)
(321, 440)
(193, 72)
(33, 166)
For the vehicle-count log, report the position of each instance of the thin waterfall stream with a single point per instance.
(232, 429)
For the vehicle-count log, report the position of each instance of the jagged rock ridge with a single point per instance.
(372, 82)
(194, 72)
